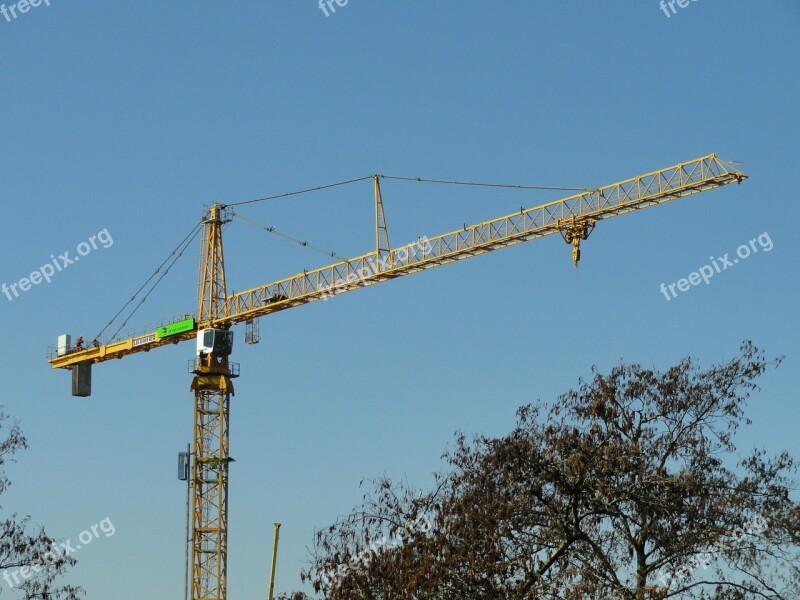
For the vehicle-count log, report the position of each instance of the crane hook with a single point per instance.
(573, 232)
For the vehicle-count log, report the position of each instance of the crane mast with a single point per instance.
(573, 218)
(213, 389)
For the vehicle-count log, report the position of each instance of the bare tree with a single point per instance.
(31, 560)
(626, 487)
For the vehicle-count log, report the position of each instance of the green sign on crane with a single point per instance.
(176, 328)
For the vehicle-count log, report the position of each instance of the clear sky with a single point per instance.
(130, 117)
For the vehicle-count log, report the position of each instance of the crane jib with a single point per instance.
(573, 217)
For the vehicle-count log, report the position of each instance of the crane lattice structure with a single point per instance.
(573, 217)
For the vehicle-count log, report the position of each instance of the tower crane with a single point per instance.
(573, 217)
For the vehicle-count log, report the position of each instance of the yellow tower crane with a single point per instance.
(573, 217)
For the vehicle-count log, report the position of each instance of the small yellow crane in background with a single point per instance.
(573, 217)
(274, 561)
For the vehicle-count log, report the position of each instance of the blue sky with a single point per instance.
(130, 117)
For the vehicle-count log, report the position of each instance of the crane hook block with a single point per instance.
(573, 231)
